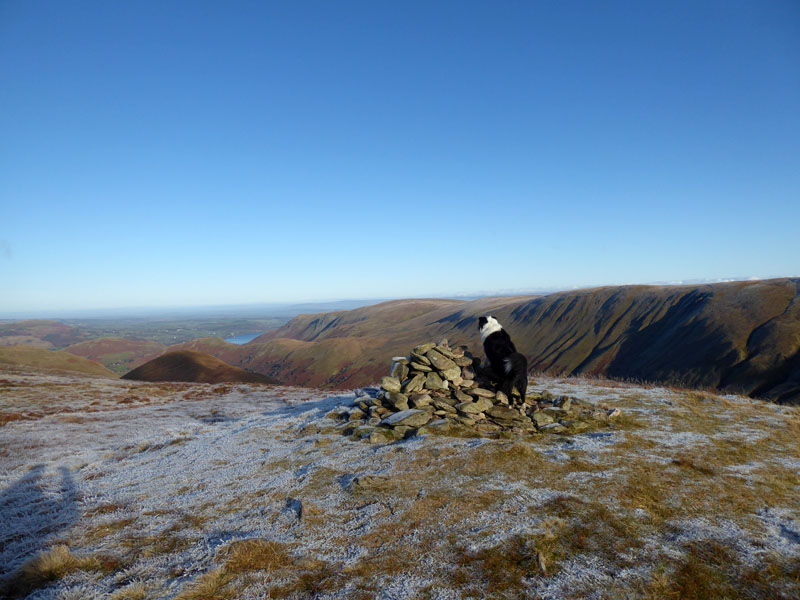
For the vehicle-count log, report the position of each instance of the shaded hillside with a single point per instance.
(117, 354)
(193, 367)
(39, 334)
(741, 337)
(41, 359)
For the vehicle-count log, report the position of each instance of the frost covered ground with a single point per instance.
(117, 489)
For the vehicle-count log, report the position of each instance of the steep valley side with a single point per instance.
(738, 337)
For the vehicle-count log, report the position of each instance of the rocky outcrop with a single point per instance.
(439, 389)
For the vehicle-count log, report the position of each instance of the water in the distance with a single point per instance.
(243, 339)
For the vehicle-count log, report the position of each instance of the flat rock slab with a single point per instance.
(412, 418)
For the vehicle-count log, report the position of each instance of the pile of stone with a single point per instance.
(439, 389)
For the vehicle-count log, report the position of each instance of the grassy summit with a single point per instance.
(240, 491)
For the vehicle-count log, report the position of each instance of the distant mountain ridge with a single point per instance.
(738, 337)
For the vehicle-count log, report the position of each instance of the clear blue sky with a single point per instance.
(186, 153)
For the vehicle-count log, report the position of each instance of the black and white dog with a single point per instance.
(509, 367)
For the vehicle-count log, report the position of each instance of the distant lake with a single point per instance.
(243, 339)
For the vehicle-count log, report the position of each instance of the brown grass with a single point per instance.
(52, 565)
(710, 570)
(134, 591)
(246, 563)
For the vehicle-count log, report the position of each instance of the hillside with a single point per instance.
(119, 490)
(39, 334)
(41, 359)
(193, 367)
(740, 337)
(117, 354)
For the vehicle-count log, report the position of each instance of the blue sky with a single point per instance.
(192, 153)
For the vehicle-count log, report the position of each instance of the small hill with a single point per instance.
(118, 354)
(41, 359)
(194, 367)
(39, 334)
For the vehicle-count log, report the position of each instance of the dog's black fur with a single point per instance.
(509, 368)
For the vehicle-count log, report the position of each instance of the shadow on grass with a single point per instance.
(31, 517)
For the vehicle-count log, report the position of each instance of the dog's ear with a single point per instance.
(482, 321)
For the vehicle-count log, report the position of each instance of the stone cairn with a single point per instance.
(437, 389)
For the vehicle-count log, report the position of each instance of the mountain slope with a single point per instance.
(193, 367)
(741, 337)
(118, 354)
(39, 334)
(39, 358)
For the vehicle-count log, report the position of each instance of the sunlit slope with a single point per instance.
(741, 337)
(118, 354)
(41, 359)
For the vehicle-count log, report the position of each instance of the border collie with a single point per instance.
(509, 367)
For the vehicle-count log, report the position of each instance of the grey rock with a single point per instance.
(483, 393)
(399, 371)
(564, 403)
(400, 359)
(462, 397)
(420, 358)
(452, 373)
(363, 431)
(417, 366)
(420, 400)
(445, 351)
(390, 384)
(457, 352)
(382, 436)
(402, 431)
(356, 414)
(414, 384)
(442, 405)
(468, 408)
(439, 361)
(398, 401)
(434, 382)
(484, 403)
(412, 417)
(553, 428)
(437, 427)
(463, 361)
(542, 418)
(503, 412)
(423, 348)
(467, 372)
(295, 506)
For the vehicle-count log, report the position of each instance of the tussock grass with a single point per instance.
(135, 591)
(52, 565)
(710, 570)
(268, 563)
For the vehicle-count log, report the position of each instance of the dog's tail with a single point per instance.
(514, 363)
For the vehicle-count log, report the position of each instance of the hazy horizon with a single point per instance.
(252, 309)
(214, 154)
